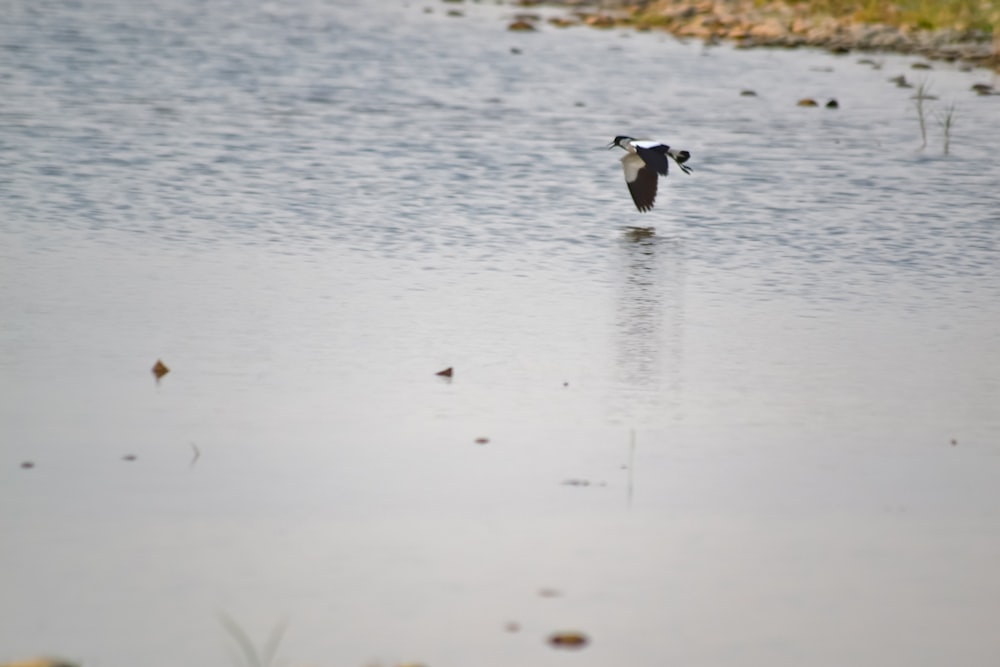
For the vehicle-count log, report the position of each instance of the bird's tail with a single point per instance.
(680, 157)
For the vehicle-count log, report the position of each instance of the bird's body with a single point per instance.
(644, 161)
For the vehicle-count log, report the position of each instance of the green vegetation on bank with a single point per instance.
(913, 14)
(961, 15)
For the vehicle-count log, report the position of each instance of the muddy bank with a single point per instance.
(778, 24)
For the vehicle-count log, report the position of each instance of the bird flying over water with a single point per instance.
(642, 163)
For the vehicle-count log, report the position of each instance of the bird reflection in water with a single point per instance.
(650, 321)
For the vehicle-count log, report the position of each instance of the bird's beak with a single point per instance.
(611, 145)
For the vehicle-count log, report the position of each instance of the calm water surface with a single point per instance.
(308, 208)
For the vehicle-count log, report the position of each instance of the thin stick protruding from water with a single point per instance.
(631, 465)
(251, 657)
(923, 93)
(945, 120)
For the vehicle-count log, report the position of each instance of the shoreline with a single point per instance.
(779, 24)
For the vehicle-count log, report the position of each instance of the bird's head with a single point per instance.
(619, 141)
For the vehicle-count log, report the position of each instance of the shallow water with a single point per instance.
(307, 209)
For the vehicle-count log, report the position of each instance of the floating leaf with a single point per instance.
(482, 441)
(26, 465)
(446, 373)
(570, 640)
(160, 369)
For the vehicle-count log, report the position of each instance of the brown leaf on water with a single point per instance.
(446, 373)
(160, 369)
(27, 464)
(570, 640)
(512, 626)
(482, 441)
(549, 593)
(128, 457)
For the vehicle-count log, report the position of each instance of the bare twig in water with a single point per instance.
(197, 454)
(251, 658)
(945, 120)
(923, 93)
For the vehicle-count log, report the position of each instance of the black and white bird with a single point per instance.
(642, 163)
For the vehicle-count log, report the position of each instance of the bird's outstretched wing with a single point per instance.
(641, 181)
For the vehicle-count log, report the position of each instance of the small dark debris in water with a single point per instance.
(832, 104)
(446, 373)
(583, 482)
(920, 66)
(521, 26)
(128, 457)
(512, 626)
(748, 93)
(482, 441)
(548, 593)
(901, 82)
(428, 10)
(579, 104)
(869, 61)
(571, 640)
(27, 464)
(954, 442)
(455, 12)
(982, 89)
(565, 384)
(516, 51)
(159, 369)
(807, 102)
